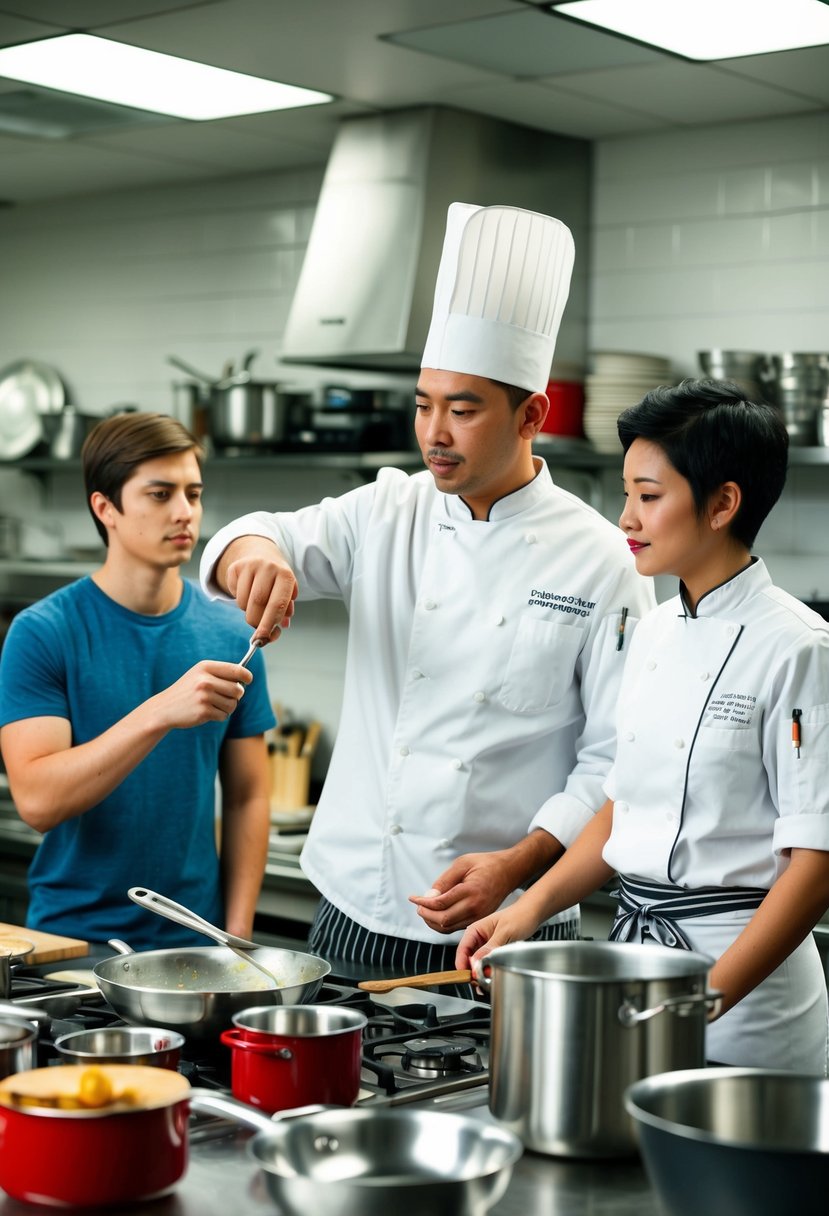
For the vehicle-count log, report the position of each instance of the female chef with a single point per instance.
(717, 819)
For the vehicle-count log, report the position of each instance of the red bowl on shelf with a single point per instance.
(566, 413)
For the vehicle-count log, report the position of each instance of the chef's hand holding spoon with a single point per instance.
(254, 571)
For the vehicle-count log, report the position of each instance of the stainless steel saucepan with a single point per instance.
(362, 1161)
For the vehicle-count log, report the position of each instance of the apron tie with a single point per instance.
(652, 909)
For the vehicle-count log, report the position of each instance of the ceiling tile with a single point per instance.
(805, 72)
(14, 29)
(86, 14)
(230, 145)
(552, 109)
(524, 44)
(684, 93)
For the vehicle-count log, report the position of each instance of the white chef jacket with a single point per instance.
(482, 672)
(709, 792)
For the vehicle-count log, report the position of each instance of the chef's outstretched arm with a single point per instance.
(787, 915)
(580, 872)
(254, 571)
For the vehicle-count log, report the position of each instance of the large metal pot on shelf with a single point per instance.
(241, 412)
(798, 384)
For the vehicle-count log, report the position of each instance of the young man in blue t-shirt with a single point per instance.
(122, 699)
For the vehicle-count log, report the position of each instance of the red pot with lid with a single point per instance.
(85, 1137)
(296, 1055)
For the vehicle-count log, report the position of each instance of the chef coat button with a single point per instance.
(531, 538)
(404, 751)
(456, 764)
(651, 666)
(444, 844)
(479, 696)
(679, 743)
(730, 631)
(705, 675)
(429, 605)
(395, 829)
(629, 736)
(499, 620)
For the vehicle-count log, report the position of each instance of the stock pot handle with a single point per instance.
(482, 972)
(630, 1016)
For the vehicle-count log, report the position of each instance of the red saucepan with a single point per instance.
(92, 1137)
(296, 1055)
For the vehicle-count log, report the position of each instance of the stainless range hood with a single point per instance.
(364, 297)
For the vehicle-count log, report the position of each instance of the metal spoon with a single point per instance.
(160, 904)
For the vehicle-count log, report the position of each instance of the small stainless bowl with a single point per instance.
(123, 1045)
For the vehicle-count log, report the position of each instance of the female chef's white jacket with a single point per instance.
(709, 792)
(482, 672)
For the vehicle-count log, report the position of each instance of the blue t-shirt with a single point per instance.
(79, 655)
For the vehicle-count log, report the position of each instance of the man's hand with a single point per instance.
(208, 692)
(255, 573)
(478, 883)
(474, 885)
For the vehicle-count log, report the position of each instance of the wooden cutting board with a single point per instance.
(48, 946)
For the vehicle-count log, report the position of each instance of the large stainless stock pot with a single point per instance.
(575, 1023)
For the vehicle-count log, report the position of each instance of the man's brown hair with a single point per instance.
(118, 445)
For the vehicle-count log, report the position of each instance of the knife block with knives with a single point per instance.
(291, 749)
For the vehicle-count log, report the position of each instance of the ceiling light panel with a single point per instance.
(146, 80)
(708, 29)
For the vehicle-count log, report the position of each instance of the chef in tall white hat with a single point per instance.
(503, 281)
(488, 612)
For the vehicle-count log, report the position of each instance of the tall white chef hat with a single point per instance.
(502, 285)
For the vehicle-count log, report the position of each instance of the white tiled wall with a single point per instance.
(718, 237)
(715, 237)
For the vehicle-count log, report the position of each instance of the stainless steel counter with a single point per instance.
(223, 1181)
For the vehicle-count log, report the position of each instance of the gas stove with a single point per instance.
(416, 1043)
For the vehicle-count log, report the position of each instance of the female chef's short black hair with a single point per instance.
(117, 445)
(712, 433)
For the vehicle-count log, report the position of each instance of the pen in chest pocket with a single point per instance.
(796, 734)
(620, 633)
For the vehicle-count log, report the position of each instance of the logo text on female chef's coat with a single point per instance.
(735, 707)
(572, 604)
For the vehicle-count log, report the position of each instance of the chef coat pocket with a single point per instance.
(541, 665)
(737, 739)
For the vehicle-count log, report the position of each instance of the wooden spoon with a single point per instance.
(431, 980)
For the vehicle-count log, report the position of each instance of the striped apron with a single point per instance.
(652, 911)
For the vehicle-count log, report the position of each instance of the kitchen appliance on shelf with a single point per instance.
(355, 420)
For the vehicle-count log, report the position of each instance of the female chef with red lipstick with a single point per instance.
(717, 819)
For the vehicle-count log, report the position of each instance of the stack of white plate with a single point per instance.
(618, 380)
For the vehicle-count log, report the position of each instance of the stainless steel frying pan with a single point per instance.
(197, 990)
